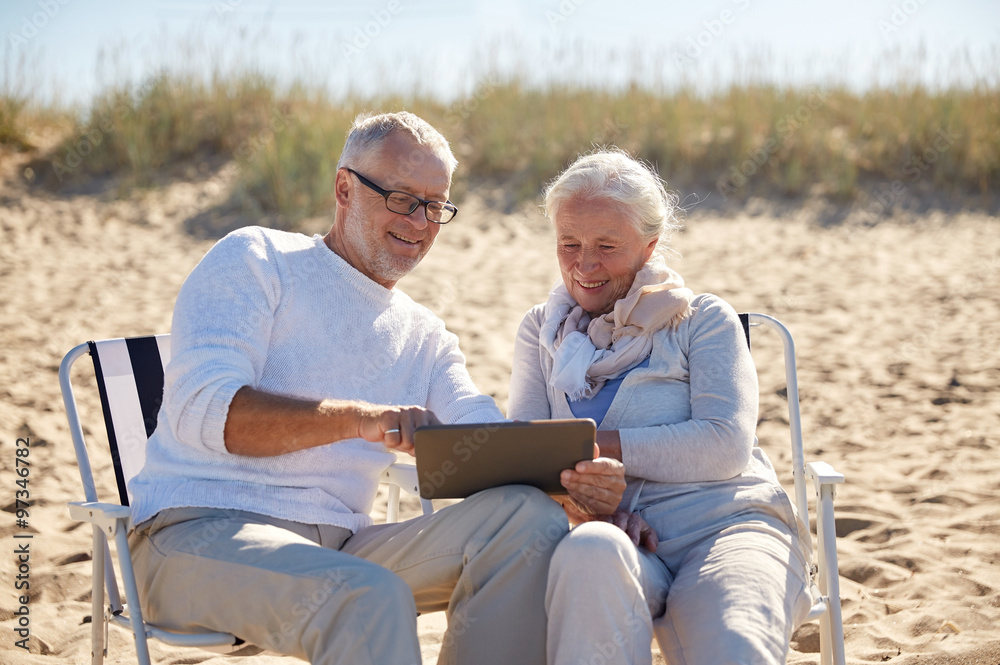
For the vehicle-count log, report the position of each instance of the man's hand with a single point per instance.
(393, 426)
(639, 532)
(595, 486)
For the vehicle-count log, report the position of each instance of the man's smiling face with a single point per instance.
(382, 244)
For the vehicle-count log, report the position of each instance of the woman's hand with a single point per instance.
(639, 532)
(595, 486)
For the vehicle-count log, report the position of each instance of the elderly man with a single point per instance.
(298, 368)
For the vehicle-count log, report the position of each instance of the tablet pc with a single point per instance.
(454, 461)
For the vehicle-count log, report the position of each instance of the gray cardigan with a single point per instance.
(689, 417)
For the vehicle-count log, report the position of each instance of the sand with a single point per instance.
(896, 328)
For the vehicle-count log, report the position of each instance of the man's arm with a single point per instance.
(261, 424)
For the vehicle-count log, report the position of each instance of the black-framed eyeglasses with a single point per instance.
(402, 203)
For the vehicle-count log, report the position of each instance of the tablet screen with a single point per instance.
(454, 461)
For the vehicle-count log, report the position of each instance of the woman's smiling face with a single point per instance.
(600, 251)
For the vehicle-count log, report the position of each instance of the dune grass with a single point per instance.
(749, 139)
(11, 117)
(15, 99)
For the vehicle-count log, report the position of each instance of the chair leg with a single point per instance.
(132, 596)
(97, 620)
(831, 624)
(392, 507)
(112, 598)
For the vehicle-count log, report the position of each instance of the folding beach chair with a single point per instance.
(130, 382)
(825, 576)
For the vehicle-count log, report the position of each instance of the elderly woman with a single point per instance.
(705, 547)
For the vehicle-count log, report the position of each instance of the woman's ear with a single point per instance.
(649, 250)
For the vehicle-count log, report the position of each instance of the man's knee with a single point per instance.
(529, 503)
(514, 493)
(382, 583)
(323, 609)
(371, 591)
(534, 522)
(395, 596)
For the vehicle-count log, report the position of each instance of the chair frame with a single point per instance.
(111, 521)
(824, 573)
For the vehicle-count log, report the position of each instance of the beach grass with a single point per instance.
(754, 138)
(15, 102)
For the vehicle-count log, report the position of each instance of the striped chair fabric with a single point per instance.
(130, 381)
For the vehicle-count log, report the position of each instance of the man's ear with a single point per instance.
(343, 187)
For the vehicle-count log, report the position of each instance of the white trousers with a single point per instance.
(324, 595)
(724, 587)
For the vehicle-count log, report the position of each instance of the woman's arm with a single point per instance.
(609, 442)
(529, 397)
(718, 439)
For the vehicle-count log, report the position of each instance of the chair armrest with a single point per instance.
(403, 475)
(107, 516)
(823, 474)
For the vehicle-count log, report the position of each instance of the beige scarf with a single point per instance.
(588, 352)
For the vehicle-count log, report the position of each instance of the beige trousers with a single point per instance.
(324, 595)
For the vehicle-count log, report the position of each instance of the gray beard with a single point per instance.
(383, 264)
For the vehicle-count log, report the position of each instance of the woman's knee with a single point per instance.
(597, 546)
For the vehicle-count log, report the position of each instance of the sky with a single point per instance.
(448, 47)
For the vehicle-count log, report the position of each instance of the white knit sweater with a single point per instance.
(282, 313)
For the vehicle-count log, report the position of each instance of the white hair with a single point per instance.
(611, 174)
(369, 131)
